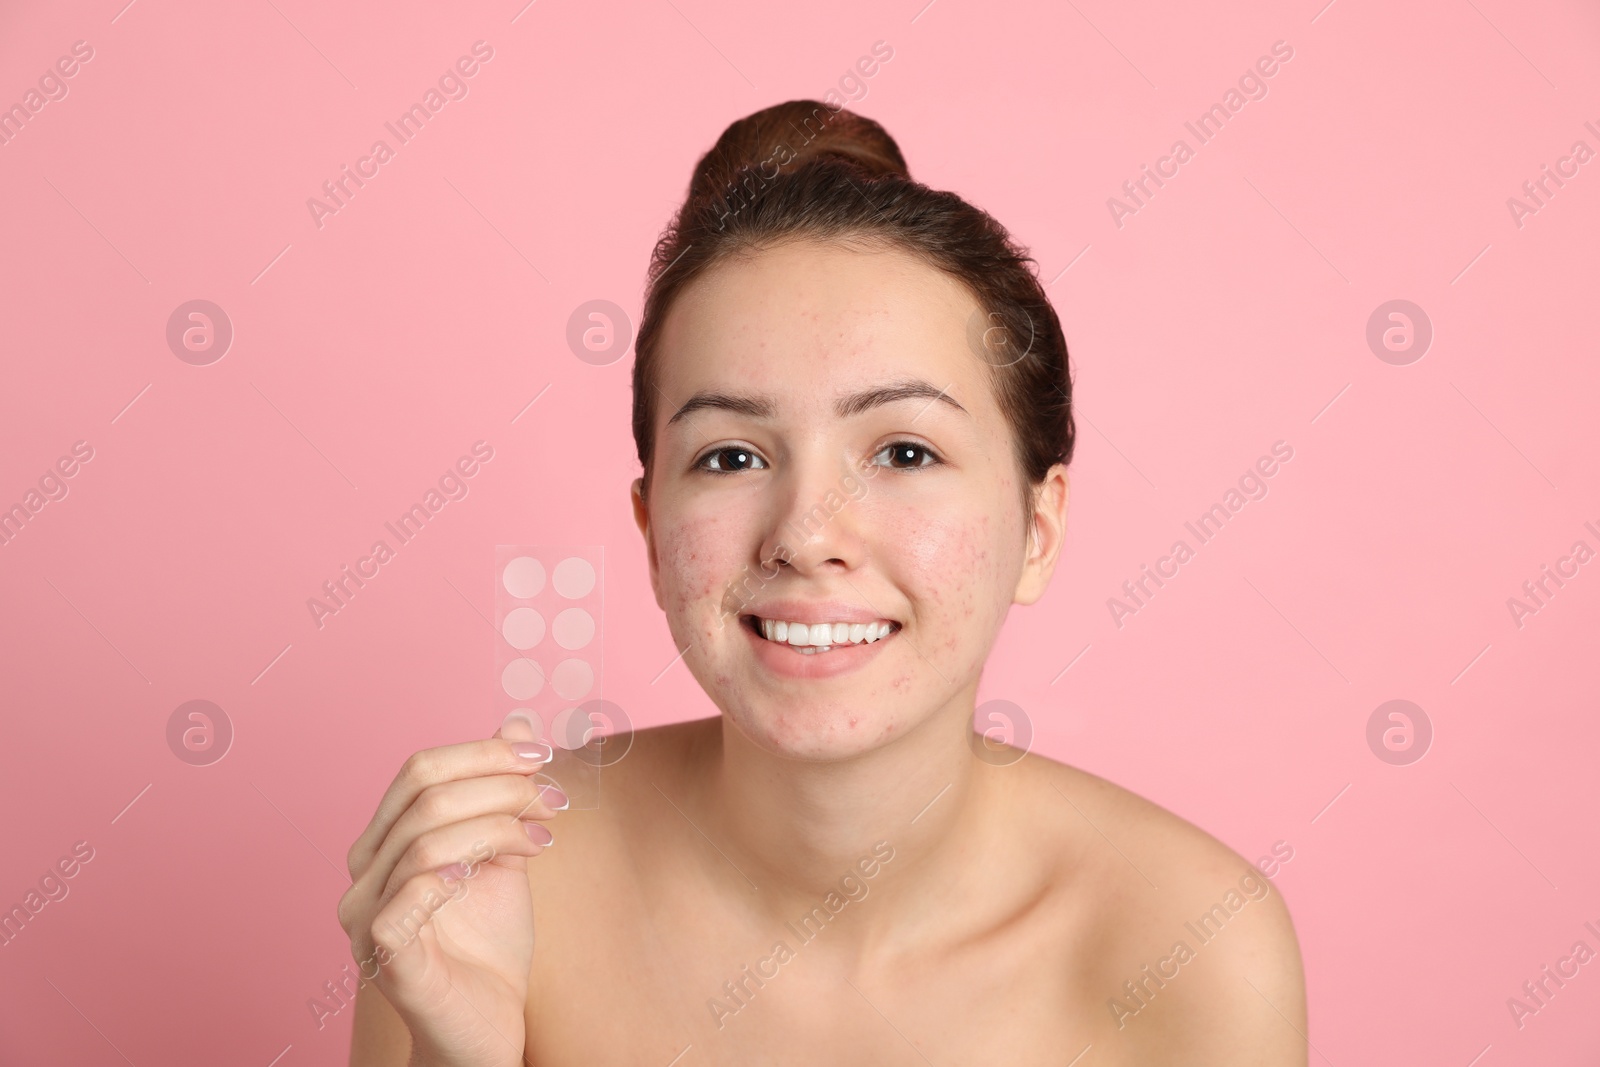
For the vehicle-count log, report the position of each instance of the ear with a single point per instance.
(641, 518)
(1046, 534)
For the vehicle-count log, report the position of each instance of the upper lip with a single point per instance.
(815, 611)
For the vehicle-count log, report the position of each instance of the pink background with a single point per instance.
(368, 354)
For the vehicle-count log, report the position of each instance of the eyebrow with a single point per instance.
(762, 406)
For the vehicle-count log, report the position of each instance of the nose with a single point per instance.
(815, 525)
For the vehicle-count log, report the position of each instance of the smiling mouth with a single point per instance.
(820, 637)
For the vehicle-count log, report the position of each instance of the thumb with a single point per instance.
(518, 726)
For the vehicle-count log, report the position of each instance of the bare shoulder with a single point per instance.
(610, 799)
(592, 891)
(1180, 942)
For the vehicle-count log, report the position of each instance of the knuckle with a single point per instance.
(431, 806)
(419, 766)
(426, 852)
(355, 860)
(383, 938)
(412, 907)
(371, 927)
(346, 910)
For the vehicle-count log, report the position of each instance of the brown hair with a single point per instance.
(803, 170)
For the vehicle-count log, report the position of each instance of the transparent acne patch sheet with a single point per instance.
(550, 614)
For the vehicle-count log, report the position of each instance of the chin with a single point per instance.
(812, 729)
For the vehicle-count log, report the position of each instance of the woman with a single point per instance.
(852, 408)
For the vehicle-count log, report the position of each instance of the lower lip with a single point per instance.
(792, 663)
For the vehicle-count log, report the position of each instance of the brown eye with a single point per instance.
(729, 460)
(908, 453)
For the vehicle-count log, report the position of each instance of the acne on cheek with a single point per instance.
(689, 551)
(931, 551)
(976, 546)
(920, 545)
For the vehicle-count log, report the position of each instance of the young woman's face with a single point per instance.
(821, 405)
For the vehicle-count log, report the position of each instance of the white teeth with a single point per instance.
(822, 636)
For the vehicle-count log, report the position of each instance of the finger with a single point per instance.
(470, 843)
(519, 795)
(513, 796)
(430, 766)
(401, 944)
(519, 726)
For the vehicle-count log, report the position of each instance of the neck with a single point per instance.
(798, 830)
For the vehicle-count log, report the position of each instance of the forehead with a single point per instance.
(807, 320)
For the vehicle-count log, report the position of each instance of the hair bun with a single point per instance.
(780, 138)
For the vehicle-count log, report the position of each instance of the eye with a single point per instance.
(738, 454)
(908, 451)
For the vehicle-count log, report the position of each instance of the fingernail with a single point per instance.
(538, 834)
(553, 797)
(533, 750)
